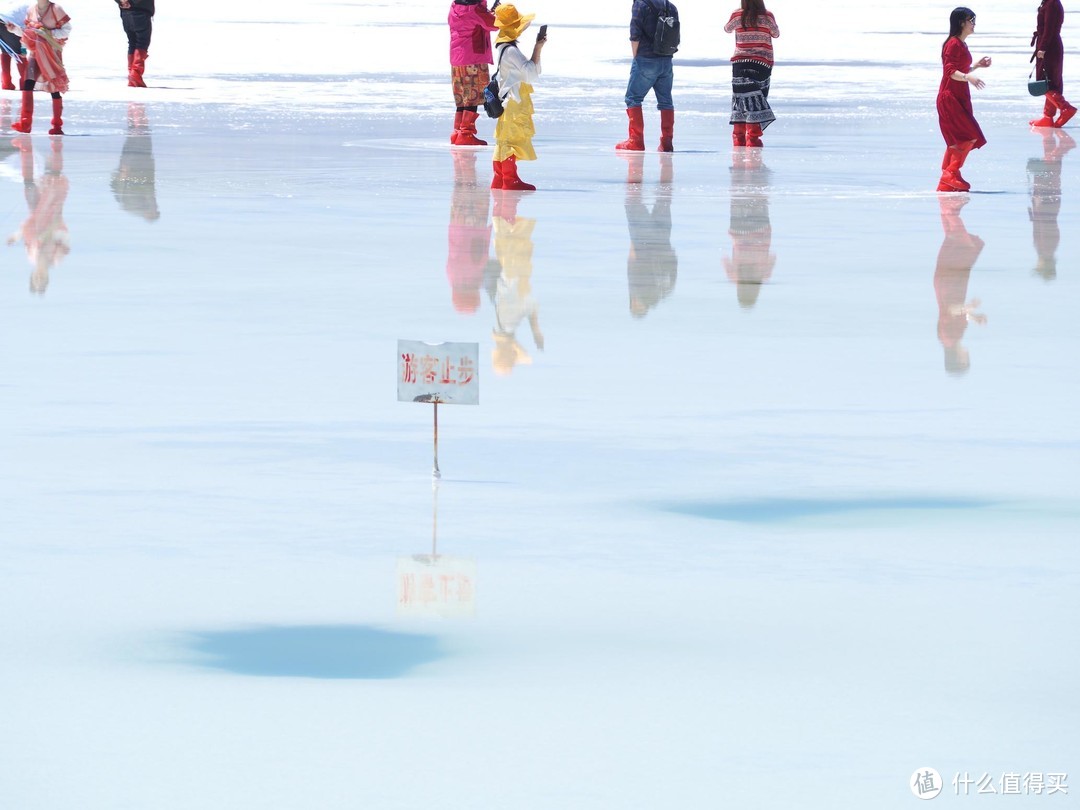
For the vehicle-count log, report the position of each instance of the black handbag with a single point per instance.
(1037, 87)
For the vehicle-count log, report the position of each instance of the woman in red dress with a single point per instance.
(955, 116)
(1049, 56)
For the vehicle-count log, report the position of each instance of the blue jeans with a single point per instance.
(650, 73)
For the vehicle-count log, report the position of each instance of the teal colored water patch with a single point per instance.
(780, 510)
(317, 651)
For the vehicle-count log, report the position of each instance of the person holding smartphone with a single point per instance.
(516, 74)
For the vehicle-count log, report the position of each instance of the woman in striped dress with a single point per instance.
(751, 71)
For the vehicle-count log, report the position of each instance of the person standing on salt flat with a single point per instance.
(138, 19)
(1049, 61)
(955, 115)
(470, 54)
(514, 131)
(751, 71)
(44, 34)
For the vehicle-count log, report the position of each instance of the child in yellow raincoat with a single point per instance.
(514, 130)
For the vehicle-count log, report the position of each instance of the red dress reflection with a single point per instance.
(959, 252)
(44, 233)
(1045, 177)
(469, 234)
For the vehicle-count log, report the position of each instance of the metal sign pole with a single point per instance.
(435, 472)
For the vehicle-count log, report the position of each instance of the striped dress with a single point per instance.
(754, 43)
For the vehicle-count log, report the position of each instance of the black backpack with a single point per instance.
(666, 38)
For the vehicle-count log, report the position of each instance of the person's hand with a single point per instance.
(983, 63)
(975, 80)
(1040, 54)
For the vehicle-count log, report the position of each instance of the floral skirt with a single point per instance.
(469, 82)
(750, 93)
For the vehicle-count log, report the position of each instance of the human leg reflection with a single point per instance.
(1044, 175)
(959, 252)
(134, 181)
(468, 235)
(751, 262)
(652, 264)
(511, 290)
(44, 233)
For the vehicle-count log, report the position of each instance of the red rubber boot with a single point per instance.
(753, 135)
(26, 114)
(466, 134)
(57, 117)
(457, 126)
(511, 181)
(636, 139)
(667, 129)
(1047, 119)
(138, 65)
(738, 135)
(1067, 110)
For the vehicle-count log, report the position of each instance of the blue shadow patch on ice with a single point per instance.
(315, 651)
(780, 510)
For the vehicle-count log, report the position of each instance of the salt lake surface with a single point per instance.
(769, 500)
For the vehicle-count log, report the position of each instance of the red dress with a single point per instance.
(1047, 38)
(955, 116)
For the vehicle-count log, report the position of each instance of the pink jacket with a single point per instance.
(470, 40)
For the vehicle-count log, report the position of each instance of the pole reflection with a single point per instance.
(511, 291)
(134, 181)
(468, 235)
(1044, 177)
(752, 261)
(958, 254)
(44, 233)
(652, 265)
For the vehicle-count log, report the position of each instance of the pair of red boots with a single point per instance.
(465, 129)
(951, 165)
(746, 135)
(26, 114)
(506, 176)
(635, 141)
(1053, 103)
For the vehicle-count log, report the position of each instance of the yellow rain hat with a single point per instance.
(510, 23)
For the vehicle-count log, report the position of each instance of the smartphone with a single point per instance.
(543, 33)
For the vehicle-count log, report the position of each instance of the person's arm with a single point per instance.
(732, 23)
(637, 27)
(1052, 18)
(774, 29)
(539, 46)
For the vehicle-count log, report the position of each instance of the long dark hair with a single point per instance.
(959, 16)
(752, 11)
